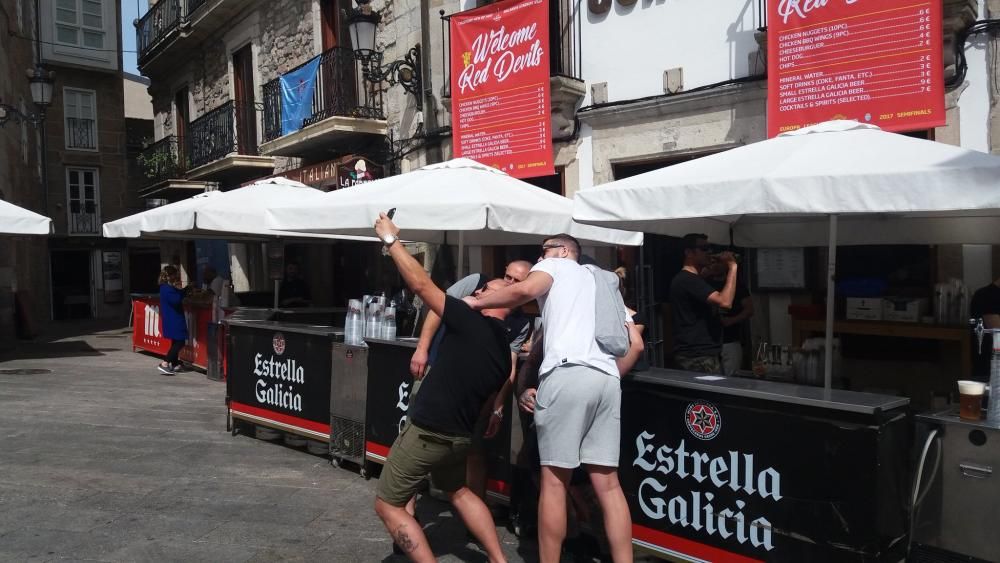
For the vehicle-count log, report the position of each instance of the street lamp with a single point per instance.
(362, 23)
(40, 81)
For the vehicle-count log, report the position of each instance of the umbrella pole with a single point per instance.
(277, 288)
(461, 255)
(831, 269)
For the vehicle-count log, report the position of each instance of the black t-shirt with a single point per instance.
(697, 331)
(734, 333)
(985, 301)
(472, 363)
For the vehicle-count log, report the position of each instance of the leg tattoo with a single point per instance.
(403, 540)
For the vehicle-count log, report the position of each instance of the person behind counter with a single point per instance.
(294, 291)
(172, 314)
(473, 362)
(693, 303)
(579, 387)
(734, 321)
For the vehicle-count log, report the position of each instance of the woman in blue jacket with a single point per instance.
(172, 315)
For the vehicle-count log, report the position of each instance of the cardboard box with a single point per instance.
(864, 308)
(904, 309)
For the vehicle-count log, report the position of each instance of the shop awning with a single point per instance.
(16, 220)
(233, 215)
(458, 201)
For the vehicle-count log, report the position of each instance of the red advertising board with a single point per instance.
(147, 330)
(500, 87)
(874, 62)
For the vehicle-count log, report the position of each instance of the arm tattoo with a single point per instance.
(403, 540)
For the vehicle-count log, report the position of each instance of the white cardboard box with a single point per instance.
(864, 308)
(904, 309)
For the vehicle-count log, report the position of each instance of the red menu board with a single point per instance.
(875, 62)
(500, 87)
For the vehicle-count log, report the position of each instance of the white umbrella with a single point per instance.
(460, 199)
(794, 190)
(236, 214)
(16, 220)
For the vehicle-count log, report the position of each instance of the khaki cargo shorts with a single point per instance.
(417, 453)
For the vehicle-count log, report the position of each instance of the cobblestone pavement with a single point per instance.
(104, 459)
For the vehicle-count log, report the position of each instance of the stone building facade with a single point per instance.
(23, 270)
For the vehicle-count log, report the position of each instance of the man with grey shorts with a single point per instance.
(577, 406)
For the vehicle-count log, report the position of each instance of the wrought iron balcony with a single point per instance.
(161, 161)
(81, 134)
(342, 89)
(227, 129)
(161, 20)
(83, 218)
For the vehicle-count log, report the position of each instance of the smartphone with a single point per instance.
(391, 212)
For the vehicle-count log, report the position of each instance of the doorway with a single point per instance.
(71, 285)
(246, 113)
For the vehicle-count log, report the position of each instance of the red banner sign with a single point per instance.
(147, 331)
(500, 87)
(874, 62)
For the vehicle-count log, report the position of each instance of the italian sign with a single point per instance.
(500, 87)
(874, 62)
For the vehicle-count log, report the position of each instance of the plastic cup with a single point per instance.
(970, 399)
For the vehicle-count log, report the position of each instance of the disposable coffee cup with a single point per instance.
(970, 399)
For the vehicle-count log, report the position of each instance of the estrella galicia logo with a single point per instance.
(703, 420)
(278, 342)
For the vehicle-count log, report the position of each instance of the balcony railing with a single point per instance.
(342, 89)
(80, 134)
(83, 218)
(161, 19)
(565, 38)
(229, 128)
(161, 161)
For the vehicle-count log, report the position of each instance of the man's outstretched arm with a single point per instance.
(515, 295)
(412, 271)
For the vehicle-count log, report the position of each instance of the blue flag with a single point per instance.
(296, 96)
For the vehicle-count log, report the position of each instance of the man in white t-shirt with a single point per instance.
(577, 407)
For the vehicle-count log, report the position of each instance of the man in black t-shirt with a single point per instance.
(472, 363)
(693, 303)
(985, 304)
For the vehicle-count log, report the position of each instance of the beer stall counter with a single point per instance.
(280, 374)
(735, 469)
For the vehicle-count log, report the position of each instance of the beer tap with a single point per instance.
(978, 328)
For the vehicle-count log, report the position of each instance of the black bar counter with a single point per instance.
(733, 469)
(280, 375)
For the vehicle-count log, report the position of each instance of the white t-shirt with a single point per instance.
(568, 311)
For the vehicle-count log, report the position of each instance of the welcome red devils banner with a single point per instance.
(875, 61)
(500, 87)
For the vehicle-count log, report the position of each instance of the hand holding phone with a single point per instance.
(391, 212)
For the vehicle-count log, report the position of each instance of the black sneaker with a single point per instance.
(165, 370)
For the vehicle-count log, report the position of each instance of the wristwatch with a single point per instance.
(389, 238)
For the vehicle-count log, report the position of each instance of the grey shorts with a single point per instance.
(578, 417)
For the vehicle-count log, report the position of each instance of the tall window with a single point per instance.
(80, 23)
(83, 201)
(80, 109)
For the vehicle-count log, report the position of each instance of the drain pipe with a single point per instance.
(428, 99)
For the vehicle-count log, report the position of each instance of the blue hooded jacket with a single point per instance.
(172, 312)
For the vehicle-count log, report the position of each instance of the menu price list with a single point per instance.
(504, 123)
(861, 59)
